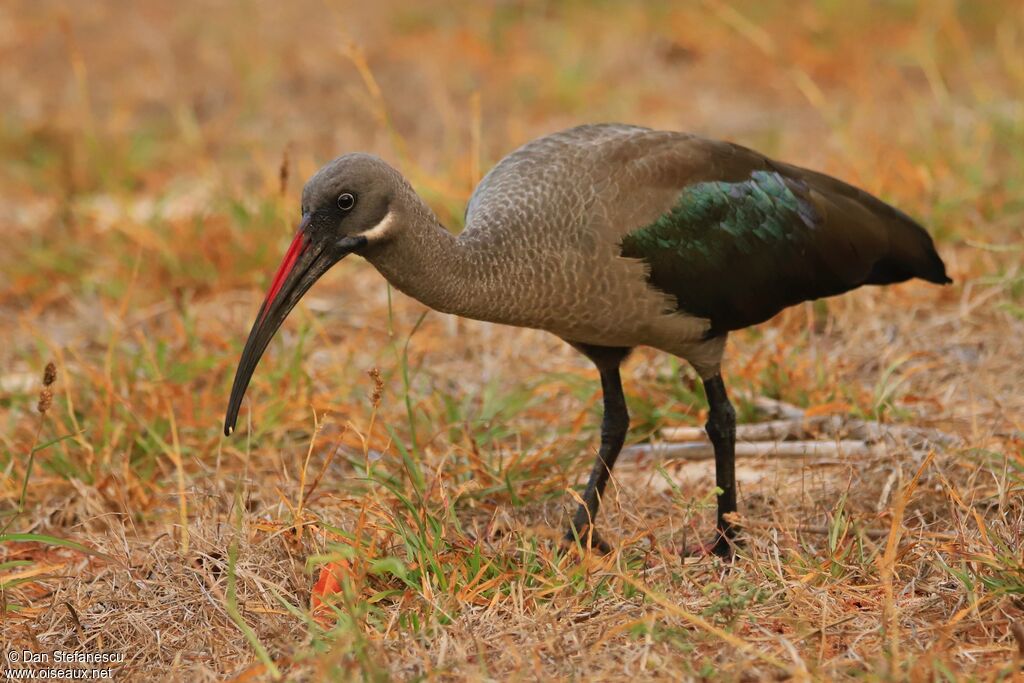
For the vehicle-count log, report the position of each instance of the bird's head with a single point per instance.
(347, 206)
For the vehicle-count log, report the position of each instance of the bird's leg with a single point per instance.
(721, 429)
(614, 425)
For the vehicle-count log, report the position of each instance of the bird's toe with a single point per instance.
(721, 547)
(587, 539)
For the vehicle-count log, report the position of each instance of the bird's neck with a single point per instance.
(427, 262)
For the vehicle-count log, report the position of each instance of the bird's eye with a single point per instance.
(346, 200)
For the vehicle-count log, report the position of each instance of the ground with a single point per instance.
(414, 470)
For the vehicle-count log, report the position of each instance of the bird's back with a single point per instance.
(558, 177)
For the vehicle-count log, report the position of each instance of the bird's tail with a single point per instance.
(911, 253)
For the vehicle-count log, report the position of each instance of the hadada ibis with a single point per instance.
(611, 237)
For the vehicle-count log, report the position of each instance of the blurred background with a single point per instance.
(152, 155)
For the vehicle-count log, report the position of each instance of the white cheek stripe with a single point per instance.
(381, 229)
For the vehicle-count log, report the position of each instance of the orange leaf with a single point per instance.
(328, 583)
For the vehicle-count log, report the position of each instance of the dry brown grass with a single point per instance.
(144, 204)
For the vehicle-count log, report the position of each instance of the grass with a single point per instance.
(151, 177)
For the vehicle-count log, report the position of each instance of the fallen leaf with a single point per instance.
(327, 584)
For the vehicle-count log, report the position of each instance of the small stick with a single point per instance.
(776, 408)
(823, 530)
(677, 434)
(760, 449)
(832, 425)
(773, 430)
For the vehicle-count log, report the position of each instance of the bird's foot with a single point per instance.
(721, 547)
(585, 538)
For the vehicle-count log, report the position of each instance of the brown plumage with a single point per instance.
(610, 237)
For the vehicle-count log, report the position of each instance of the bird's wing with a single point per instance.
(737, 237)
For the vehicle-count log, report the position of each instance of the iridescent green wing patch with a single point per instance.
(727, 250)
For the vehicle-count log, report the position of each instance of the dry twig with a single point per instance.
(761, 449)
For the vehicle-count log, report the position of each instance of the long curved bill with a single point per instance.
(305, 261)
